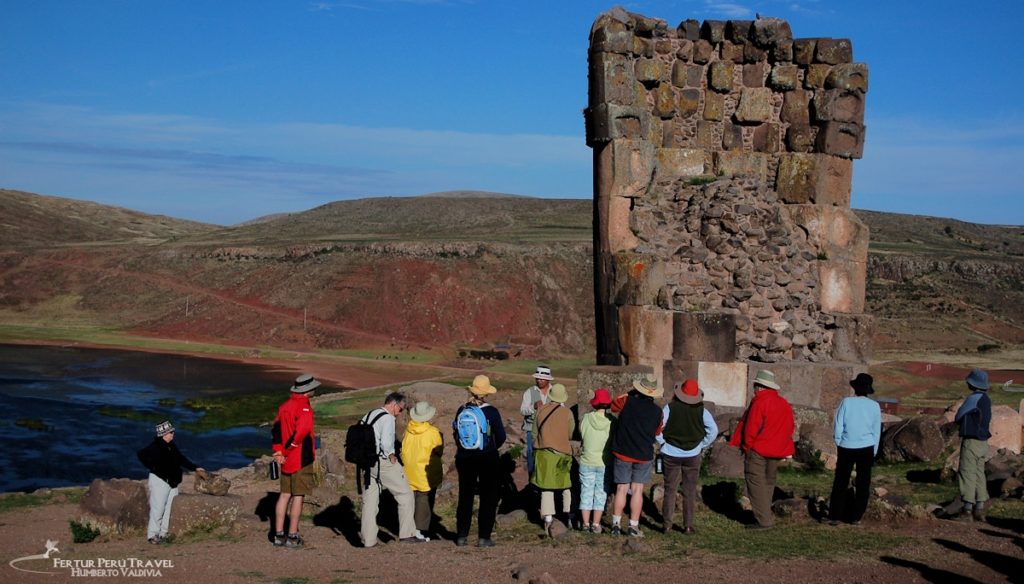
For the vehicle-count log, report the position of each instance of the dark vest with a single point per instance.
(685, 428)
(637, 427)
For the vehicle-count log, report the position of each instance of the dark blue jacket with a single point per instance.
(975, 416)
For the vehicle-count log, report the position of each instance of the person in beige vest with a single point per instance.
(553, 427)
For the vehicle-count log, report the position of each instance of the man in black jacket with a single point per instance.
(164, 461)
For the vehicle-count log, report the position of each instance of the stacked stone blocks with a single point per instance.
(723, 166)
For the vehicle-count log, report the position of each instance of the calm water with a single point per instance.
(61, 391)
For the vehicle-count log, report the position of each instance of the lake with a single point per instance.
(73, 415)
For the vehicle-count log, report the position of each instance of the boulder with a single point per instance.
(331, 462)
(725, 460)
(917, 439)
(203, 513)
(122, 503)
(1006, 429)
(790, 507)
(208, 483)
(816, 444)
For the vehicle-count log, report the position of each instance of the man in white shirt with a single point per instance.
(533, 399)
(388, 474)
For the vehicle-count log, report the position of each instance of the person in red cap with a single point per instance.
(686, 430)
(594, 430)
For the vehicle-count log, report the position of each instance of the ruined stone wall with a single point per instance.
(724, 240)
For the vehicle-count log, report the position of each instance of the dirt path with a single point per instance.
(936, 551)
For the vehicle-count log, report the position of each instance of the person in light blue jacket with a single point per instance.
(857, 430)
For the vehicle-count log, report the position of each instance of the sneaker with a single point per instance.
(616, 530)
(979, 514)
(411, 539)
(595, 528)
(965, 516)
(485, 542)
(634, 531)
(294, 541)
(461, 542)
(279, 539)
(155, 540)
(833, 522)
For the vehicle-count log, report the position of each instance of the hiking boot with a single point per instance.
(155, 540)
(616, 530)
(294, 541)
(461, 542)
(979, 513)
(666, 529)
(689, 531)
(965, 516)
(279, 539)
(634, 531)
(484, 542)
(595, 528)
(833, 522)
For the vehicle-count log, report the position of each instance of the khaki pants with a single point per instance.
(759, 473)
(547, 502)
(971, 476)
(390, 476)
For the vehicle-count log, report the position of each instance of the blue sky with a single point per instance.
(222, 111)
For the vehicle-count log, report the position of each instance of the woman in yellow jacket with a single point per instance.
(422, 446)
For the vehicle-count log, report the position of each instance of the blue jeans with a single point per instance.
(593, 496)
(529, 453)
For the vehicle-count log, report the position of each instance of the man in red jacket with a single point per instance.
(295, 451)
(765, 435)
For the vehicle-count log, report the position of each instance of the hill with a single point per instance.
(30, 220)
(440, 271)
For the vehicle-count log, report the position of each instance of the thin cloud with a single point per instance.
(728, 9)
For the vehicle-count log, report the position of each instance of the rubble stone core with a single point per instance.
(722, 178)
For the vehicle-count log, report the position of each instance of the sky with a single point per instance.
(223, 111)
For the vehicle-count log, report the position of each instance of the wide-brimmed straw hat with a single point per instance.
(305, 383)
(649, 386)
(766, 378)
(602, 397)
(863, 384)
(977, 379)
(163, 428)
(558, 393)
(422, 412)
(688, 392)
(482, 386)
(543, 372)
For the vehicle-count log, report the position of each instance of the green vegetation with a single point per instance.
(130, 414)
(12, 501)
(33, 424)
(698, 181)
(562, 368)
(292, 580)
(342, 412)
(83, 532)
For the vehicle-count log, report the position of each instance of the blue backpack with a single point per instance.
(471, 427)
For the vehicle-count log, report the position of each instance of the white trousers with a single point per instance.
(160, 496)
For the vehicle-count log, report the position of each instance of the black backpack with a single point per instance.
(361, 446)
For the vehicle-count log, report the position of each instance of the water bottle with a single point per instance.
(275, 470)
(658, 464)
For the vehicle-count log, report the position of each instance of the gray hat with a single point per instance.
(164, 427)
(305, 383)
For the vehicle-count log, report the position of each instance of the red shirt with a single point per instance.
(767, 427)
(296, 416)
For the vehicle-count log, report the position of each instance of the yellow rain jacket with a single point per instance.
(421, 452)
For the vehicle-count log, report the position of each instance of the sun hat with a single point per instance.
(422, 412)
(543, 372)
(305, 383)
(766, 378)
(602, 397)
(164, 427)
(649, 386)
(688, 392)
(482, 386)
(977, 379)
(863, 384)
(558, 393)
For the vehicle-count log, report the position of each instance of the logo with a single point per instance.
(51, 547)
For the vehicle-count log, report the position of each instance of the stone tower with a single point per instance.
(724, 240)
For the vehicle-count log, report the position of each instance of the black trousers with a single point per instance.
(863, 459)
(477, 472)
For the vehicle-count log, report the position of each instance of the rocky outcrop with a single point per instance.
(121, 504)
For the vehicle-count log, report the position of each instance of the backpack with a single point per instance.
(361, 443)
(471, 427)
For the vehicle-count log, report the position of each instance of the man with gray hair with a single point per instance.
(388, 474)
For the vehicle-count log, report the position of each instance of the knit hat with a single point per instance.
(601, 398)
(688, 392)
(164, 427)
(543, 372)
(978, 379)
(305, 384)
(482, 386)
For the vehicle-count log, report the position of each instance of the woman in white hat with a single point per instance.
(422, 446)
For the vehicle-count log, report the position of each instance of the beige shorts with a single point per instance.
(298, 483)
